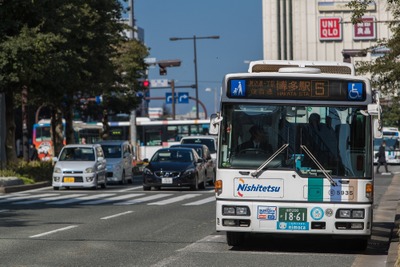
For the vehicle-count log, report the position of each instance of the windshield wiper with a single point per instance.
(325, 172)
(276, 153)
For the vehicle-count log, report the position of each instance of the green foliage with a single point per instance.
(385, 70)
(37, 171)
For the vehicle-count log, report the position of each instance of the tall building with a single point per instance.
(321, 30)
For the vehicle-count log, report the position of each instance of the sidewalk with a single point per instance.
(390, 205)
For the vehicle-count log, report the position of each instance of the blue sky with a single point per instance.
(237, 22)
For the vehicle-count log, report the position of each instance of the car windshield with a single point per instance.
(172, 156)
(112, 151)
(77, 154)
(305, 138)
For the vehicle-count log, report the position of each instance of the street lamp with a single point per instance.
(194, 38)
(215, 97)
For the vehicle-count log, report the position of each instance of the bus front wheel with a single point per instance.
(234, 238)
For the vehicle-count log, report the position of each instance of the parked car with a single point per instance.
(80, 166)
(204, 153)
(119, 158)
(175, 167)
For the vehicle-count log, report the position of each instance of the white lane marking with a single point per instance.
(116, 215)
(143, 199)
(111, 199)
(13, 195)
(79, 199)
(130, 189)
(54, 231)
(174, 199)
(39, 189)
(27, 197)
(46, 199)
(201, 201)
(4, 210)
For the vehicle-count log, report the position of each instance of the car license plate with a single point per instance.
(292, 214)
(166, 180)
(69, 179)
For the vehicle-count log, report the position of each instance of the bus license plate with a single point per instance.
(69, 179)
(292, 214)
(166, 180)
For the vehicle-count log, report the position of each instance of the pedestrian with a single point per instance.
(381, 155)
(33, 153)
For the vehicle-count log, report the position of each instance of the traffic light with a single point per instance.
(144, 84)
(163, 71)
(164, 64)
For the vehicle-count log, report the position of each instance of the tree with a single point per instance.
(384, 70)
(60, 50)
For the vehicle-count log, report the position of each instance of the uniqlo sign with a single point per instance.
(330, 29)
(365, 30)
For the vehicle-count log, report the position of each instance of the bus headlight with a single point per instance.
(350, 213)
(236, 210)
(357, 214)
(344, 213)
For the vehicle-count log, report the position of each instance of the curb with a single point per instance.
(392, 257)
(18, 188)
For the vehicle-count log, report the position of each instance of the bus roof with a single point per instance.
(331, 67)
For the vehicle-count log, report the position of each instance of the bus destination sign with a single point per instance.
(297, 89)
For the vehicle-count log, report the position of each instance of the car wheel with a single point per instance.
(130, 181)
(195, 186)
(95, 183)
(56, 188)
(203, 184)
(123, 180)
(146, 188)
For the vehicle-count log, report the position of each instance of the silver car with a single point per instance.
(119, 158)
(80, 166)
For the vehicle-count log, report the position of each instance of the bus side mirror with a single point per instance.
(215, 120)
(377, 128)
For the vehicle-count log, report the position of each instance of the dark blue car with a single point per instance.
(175, 167)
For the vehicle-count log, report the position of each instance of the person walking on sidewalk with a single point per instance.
(382, 157)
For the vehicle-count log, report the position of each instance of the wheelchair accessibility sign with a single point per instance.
(355, 91)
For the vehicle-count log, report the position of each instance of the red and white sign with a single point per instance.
(365, 30)
(330, 29)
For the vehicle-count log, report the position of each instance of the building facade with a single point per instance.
(322, 30)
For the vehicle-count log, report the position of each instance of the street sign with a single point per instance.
(159, 83)
(168, 98)
(180, 98)
(330, 29)
(183, 98)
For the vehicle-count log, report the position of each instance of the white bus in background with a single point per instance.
(391, 136)
(318, 180)
(147, 136)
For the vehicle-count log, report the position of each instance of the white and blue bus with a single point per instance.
(319, 120)
(391, 136)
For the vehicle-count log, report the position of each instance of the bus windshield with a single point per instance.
(317, 137)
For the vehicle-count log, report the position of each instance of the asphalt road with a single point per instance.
(125, 226)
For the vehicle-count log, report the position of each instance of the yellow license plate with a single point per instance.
(69, 179)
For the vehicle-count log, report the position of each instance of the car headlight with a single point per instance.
(57, 170)
(147, 171)
(189, 171)
(89, 170)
